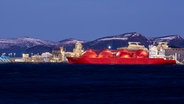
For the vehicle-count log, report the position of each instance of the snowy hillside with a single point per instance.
(69, 41)
(125, 36)
(32, 45)
(22, 42)
(166, 38)
(171, 39)
(117, 41)
(69, 44)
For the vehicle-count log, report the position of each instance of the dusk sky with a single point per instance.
(90, 19)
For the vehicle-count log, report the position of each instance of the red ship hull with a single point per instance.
(117, 57)
(73, 60)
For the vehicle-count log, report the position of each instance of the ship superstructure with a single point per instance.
(133, 46)
(159, 51)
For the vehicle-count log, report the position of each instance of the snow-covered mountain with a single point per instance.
(168, 38)
(20, 45)
(32, 45)
(69, 44)
(69, 41)
(173, 40)
(25, 42)
(117, 41)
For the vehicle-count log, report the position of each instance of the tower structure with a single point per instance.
(62, 54)
(78, 49)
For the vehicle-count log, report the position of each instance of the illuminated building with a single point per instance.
(46, 57)
(36, 58)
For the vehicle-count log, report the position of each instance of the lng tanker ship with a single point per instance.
(133, 54)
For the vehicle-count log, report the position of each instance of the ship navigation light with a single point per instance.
(109, 47)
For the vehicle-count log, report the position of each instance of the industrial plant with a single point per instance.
(59, 55)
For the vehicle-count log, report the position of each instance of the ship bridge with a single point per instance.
(134, 46)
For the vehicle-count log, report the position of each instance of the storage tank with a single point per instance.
(142, 54)
(105, 54)
(124, 55)
(90, 54)
(123, 50)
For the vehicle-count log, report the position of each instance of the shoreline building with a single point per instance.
(77, 51)
(4, 59)
(46, 56)
(58, 54)
(36, 58)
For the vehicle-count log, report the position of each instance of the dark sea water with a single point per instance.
(91, 84)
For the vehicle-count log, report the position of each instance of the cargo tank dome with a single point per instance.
(124, 55)
(123, 50)
(89, 53)
(142, 54)
(105, 54)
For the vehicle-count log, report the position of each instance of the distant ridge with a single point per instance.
(117, 41)
(33, 45)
